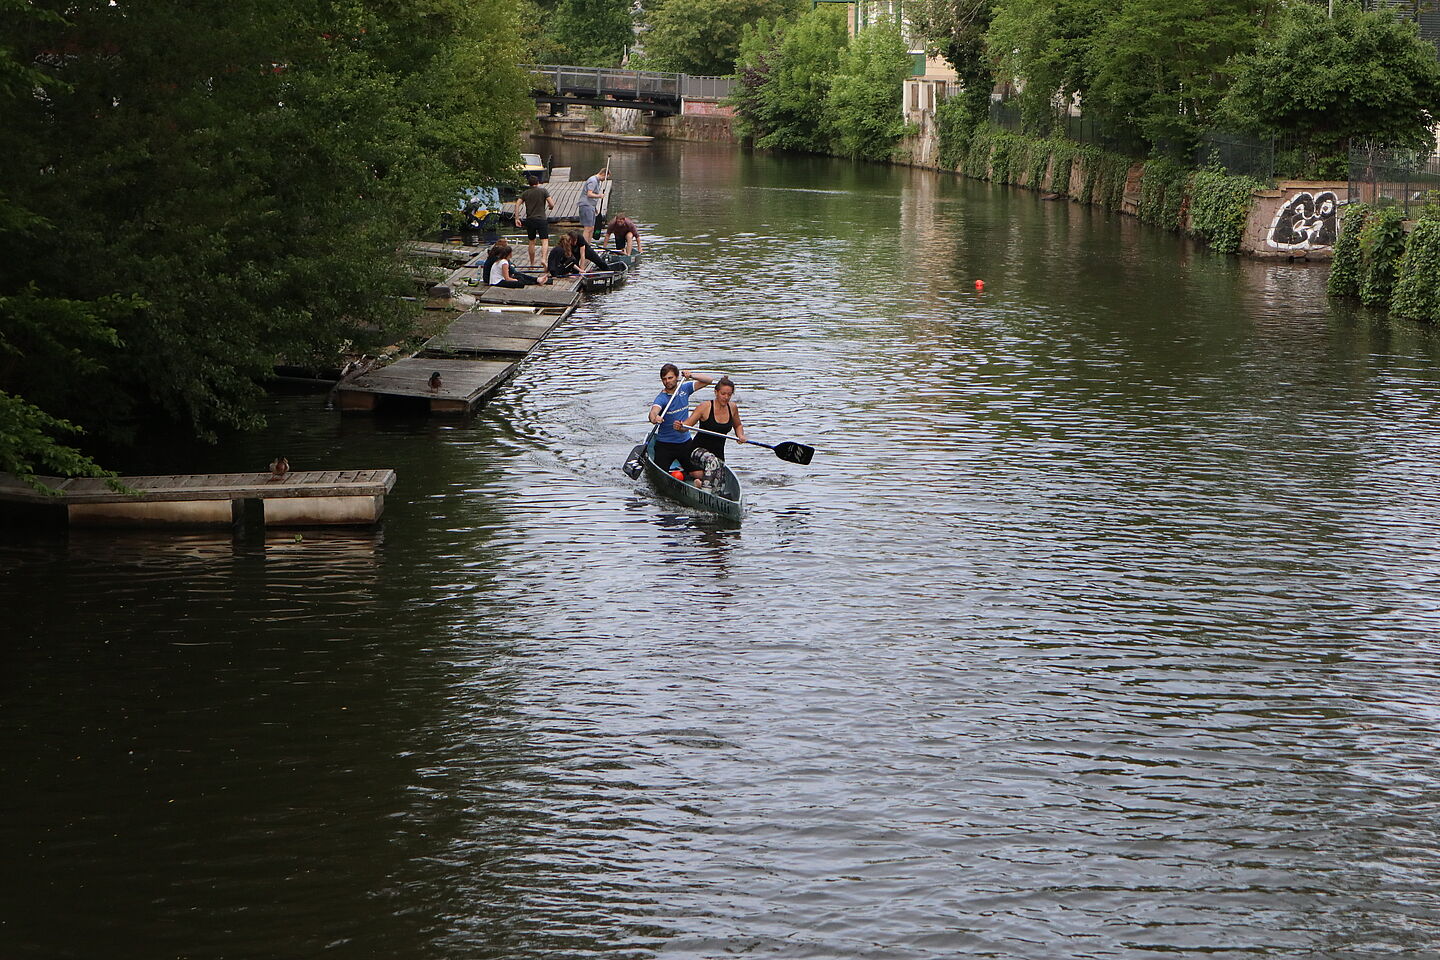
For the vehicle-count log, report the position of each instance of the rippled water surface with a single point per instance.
(1103, 625)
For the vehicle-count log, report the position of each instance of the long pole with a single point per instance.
(604, 199)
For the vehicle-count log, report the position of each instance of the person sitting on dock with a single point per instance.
(532, 211)
(624, 238)
(496, 271)
(563, 261)
(717, 417)
(670, 443)
(590, 196)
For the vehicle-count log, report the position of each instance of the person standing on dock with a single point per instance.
(623, 235)
(590, 196)
(536, 204)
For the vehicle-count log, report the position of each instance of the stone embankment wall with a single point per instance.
(1296, 220)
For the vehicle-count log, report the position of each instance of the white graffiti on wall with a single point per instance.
(1305, 222)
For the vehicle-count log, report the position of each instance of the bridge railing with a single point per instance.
(599, 81)
(705, 88)
(640, 84)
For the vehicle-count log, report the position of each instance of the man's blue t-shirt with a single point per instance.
(679, 410)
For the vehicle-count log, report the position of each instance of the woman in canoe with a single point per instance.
(716, 416)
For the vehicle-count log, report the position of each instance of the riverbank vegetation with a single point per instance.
(808, 85)
(1382, 265)
(1155, 78)
(189, 195)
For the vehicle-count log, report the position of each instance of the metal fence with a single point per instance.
(636, 84)
(1007, 115)
(1237, 154)
(1404, 177)
(601, 82)
(705, 88)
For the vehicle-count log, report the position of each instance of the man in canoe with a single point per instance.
(670, 411)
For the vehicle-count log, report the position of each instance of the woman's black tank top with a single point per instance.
(715, 445)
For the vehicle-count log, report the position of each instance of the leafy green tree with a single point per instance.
(799, 82)
(1045, 45)
(955, 30)
(865, 93)
(1161, 69)
(754, 68)
(587, 33)
(58, 335)
(1362, 75)
(224, 187)
(703, 36)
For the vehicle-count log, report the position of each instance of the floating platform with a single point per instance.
(464, 385)
(299, 499)
(494, 332)
(595, 136)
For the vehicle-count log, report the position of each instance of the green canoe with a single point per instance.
(727, 501)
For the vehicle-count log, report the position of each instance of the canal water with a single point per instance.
(1103, 625)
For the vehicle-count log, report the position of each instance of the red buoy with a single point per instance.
(979, 284)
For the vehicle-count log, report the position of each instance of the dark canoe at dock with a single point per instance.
(728, 501)
(597, 280)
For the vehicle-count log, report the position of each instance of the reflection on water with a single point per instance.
(1102, 624)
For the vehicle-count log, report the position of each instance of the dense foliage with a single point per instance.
(806, 85)
(1219, 207)
(1160, 73)
(1382, 243)
(1164, 192)
(1348, 262)
(702, 37)
(191, 194)
(1362, 75)
(865, 93)
(585, 33)
(1417, 280)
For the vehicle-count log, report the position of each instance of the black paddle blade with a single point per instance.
(794, 452)
(633, 466)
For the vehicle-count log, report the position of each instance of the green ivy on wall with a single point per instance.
(1382, 242)
(1417, 281)
(1163, 192)
(1348, 262)
(1062, 156)
(1219, 208)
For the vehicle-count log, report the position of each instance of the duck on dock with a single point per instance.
(278, 468)
(435, 381)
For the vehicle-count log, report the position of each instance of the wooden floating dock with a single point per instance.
(464, 384)
(494, 332)
(299, 499)
(480, 350)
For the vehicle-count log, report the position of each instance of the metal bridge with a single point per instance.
(658, 93)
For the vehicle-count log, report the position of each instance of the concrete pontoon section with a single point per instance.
(297, 499)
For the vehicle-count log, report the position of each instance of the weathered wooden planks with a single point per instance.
(564, 292)
(463, 383)
(482, 332)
